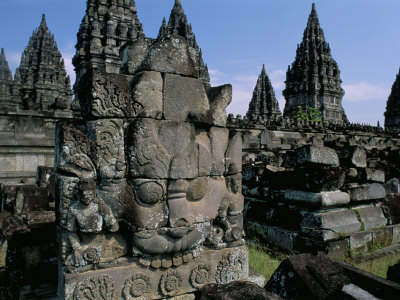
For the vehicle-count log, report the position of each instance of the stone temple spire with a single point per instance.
(178, 24)
(106, 28)
(313, 80)
(6, 83)
(41, 80)
(392, 114)
(264, 103)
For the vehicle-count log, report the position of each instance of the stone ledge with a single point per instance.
(212, 266)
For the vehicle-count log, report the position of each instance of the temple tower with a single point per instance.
(6, 83)
(178, 24)
(392, 114)
(264, 103)
(41, 82)
(313, 80)
(106, 28)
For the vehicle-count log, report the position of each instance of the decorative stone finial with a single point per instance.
(2, 51)
(313, 7)
(43, 18)
(178, 2)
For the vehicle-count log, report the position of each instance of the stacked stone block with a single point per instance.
(149, 196)
(318, 197)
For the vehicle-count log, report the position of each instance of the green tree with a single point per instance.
(310, 114)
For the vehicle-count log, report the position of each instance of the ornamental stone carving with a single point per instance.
(149, 177)
(170, 283)
(101, 288)
(201, 275)
(136, 287)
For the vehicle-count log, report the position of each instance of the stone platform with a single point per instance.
(133, 280)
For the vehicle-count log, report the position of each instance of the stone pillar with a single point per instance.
(149, 201)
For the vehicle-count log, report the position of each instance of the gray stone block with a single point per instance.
(369, 174)
(219, 97)
(360, 240)
(323, 199)
(368, 191)
(392, 186)
(281, 238)
(372, 217)
(382, 237)
(148, 93)
(170, 54)
(185, 99)
(396, 233)
(233, 155)
(317, 155)
(353, 157)
(329, 225)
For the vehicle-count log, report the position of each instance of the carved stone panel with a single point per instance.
(108, 134)
(104, 95)
(75, 152)
(148, 92)
(162, 149)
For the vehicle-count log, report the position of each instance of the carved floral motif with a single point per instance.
(170, 283)
(136, 287)
(200, 276)
(101, 288)
(110, 100)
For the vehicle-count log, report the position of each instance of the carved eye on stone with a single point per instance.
(150, 192)
(137, 107)
(197, 189)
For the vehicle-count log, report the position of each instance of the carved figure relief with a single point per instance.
(87, 217)
(230, 268)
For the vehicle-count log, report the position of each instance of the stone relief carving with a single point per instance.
(200, 275)
(76, 152)
(136, 287)
(230, 268)
(170, 283)
(87, 217)
(101, 288)
(109, 96)
(150, 173)
(109, 138)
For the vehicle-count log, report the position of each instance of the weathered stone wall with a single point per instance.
(26, 142)
(321, 186)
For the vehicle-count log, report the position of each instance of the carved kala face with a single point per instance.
(182, 199)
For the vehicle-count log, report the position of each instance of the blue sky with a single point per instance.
(238, 36)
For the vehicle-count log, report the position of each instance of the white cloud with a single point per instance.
(67, 56)
(240, 101)
(364, 91)
(277, 78)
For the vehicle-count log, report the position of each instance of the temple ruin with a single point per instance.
(154, 188)
(149, 180)
(313, 80)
